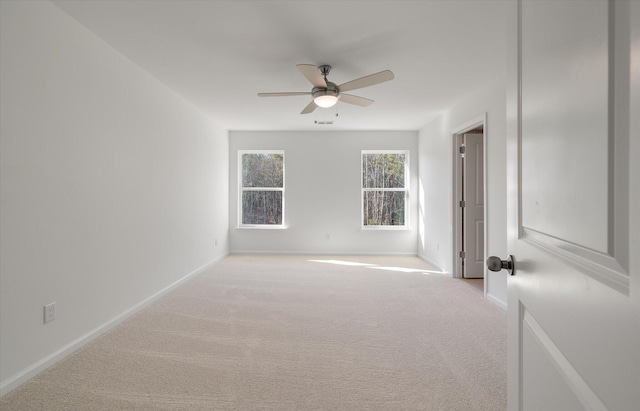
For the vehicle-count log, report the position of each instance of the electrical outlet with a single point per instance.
(216, 242)
(49, 312)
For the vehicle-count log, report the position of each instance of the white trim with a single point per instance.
(36, 368)
(406, 189)
(385, 227)
(323, 252)
(456, 132)
(241, 190)
(262, 227)
(470, 124)
(496, 301)
(433, 263)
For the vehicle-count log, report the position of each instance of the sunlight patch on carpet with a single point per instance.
(379, 267)
(340, 262)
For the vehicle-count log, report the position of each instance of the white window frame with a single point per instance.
(407, 181)
(242, 189)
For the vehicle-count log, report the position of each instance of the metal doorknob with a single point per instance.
(496, 264)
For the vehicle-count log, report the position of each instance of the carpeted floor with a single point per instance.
(293, 333)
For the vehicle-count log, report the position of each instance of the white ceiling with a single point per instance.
(220, 54)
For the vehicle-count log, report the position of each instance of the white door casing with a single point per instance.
(473, 125)
(473, 211)
(573, 225)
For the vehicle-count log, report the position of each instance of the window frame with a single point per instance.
(242, 189)
(405, 189)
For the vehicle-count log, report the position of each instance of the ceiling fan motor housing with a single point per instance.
(331, 90)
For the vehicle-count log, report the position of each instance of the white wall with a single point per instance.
(113, 187)
(322, 173)
(435, 182)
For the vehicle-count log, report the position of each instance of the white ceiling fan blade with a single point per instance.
(312, 74)
(285, 94)
(310, 107)
(367, 81)
(358, 101)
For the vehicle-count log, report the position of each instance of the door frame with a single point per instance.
(456, 191)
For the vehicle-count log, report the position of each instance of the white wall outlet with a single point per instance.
(215, 242)
(49, 312)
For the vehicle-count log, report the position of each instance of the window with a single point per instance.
(384, 189)
(261, 188)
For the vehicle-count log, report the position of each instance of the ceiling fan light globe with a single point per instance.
(325, 101)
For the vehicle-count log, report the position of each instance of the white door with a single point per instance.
(574, 205)
(473, 211)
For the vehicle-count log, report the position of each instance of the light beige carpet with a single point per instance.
(289, 333)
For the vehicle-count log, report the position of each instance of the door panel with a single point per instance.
(574, 318)
(564, 116)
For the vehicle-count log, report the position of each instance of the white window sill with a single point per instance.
(385, 228)
(262, 227)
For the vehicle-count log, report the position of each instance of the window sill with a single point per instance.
(385, 228)
(262, 227)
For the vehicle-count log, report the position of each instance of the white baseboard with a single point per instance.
(497, 302)
(25, 375)
(433, 263)
(489, 297)
(355, 253)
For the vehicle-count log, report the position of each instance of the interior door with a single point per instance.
(574, 202)
(473, 211)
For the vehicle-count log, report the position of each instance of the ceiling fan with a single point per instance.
(326, 94)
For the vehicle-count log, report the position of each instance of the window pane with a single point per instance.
(383, 170)
(384, 207)
(262, 170)
(262, 207)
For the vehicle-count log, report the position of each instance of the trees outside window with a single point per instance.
(385, 188)
(261, 188)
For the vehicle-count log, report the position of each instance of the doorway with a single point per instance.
(469, 199)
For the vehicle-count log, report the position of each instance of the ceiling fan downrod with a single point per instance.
(325, 69)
